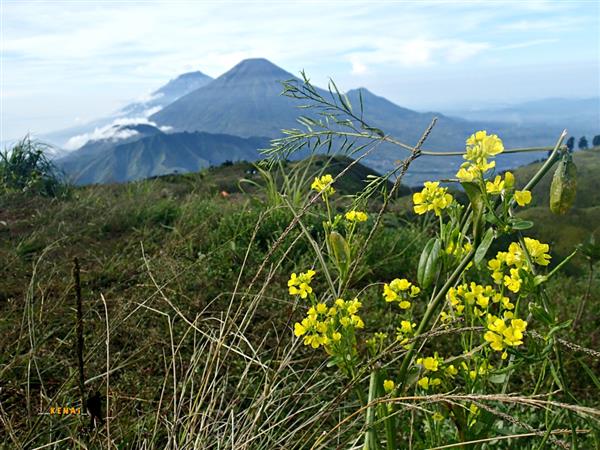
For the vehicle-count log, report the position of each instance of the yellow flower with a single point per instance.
(467, 172)
(481, 146)
(357, 321)
(400, 284)
(406, 326)
(513, 282)
(432, 198)
(437, 416)
(356, 216)
(451, 371)
(495, 187)
(424, 383)
(388, 293)
(400, 290)
(353, 306)
(323, 185)
(299, 329)
(494, 265)
(430, 363)
(389, 386)
(321, 308)
(509, 180)
(515, 255)
(523, 197)
(538, 251)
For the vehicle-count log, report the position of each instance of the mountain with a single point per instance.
(245, 101)
(152, 152)
(579, 116)
(449, 134)
(167, 94)
(75, 137)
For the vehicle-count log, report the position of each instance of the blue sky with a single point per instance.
(67, 62)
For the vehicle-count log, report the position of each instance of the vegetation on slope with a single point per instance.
(583, 221)
(184, 270)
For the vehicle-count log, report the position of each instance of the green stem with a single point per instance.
(545, 168)
(370, 435)
(433, 305)
(386, 411)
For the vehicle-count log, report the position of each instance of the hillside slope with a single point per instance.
(583, 220)
(156, 153)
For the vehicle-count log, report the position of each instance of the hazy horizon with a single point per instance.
(93, 58)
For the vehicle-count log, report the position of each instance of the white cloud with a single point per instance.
(148, 112)
(112, 131)
(418, 52)
(95, 56)
(527, 44)
(358, 68)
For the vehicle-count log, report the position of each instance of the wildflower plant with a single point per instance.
(461, 322)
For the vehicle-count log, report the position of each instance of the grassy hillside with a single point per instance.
(185, 273)
(565, 232)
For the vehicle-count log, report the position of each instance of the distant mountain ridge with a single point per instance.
(136, 112)
(579, 116)
(246, 101)
(156, 153)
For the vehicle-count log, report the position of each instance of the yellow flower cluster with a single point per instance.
(500, 335)
(325, 326)
(401, 291)
(476, 296)
(501, 186)
(356, 216)
(430, 364)
(480, 147)
(457, 250)
(300, 284)
(323, 185)
(515, 260)
(432, 198)
(405, 331)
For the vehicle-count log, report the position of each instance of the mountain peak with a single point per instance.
(196, 74)
(255, 68)
(184, 84)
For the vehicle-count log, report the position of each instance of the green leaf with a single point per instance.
(429, 263)
(520, 224)
(423, 261)
(498, 378)
(564, 185)
(539, 313)
(481, 251)
(341, 250)
(474, 193)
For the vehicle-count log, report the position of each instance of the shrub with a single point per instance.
(26, 168)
